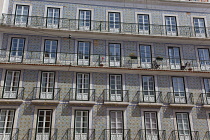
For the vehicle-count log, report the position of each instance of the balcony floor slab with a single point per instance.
(45, 102)
(151, 104)
(10, 102)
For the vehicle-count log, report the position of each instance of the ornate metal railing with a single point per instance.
(150, 134)
(12, 93)
(179, 98)
(42, 93)
(204, 99)
(115, 134)
(80, 95)
(207, 136)
(10, 134)
(149, 97)
(101, 60)
(184, 135)
(110, 95)
(42, 134)
(79, 134)
(103, 26)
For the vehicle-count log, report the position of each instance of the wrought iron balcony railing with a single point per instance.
(100, 60)
(151, 134)
(7, 93)
(9, 134)
(80, 95)
(115, 134)
(184, 135)
(43, 93)
(179, 98)
(110, 95)
(96, 60)
(207, 136)
(149, 96)
(79, 134)
(103, 26)
(204, 99)
(42, 134)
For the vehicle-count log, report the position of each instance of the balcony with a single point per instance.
(207, 136)
(180, 99)
(45, 96)
(151, 134)
(184, 135)
(204, 99)
(79, 134)
(11, 95)
(149, 98)
(42, 134)
(9, 134)
(81, 96)
(115, 97)
(115, 134)
(65, 60)
(103, 26)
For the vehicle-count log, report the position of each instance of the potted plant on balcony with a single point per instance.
(132, 56)
(159, 58)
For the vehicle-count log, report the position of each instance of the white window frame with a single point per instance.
(91, 18)
(22, 3)
(117, 109)
(122, 52)
(182, 111)
(150, 20)
(208, 119)
(122, 78)
(138, 50)
(90, 109)
(9, 43)
(3, 77)
(16, 118)
(54, 6)
(114, 11)
(205, 23)
(151, 110)
(164, 22)
(35, 116)
(197, 54)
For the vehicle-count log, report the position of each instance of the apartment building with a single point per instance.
(104, 70)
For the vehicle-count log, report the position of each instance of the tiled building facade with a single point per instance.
(104, 70)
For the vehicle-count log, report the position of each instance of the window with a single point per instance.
(206, 96)
(83, 53)
(50, 51)
(21, 15)
(114, 55)
(183, 126)
(6, 121)
(16, 49)
(81, 125)
(83, 86)
(116, 93)
(145, 56)
(143, 24)
(117, 125)
(11, 84)
(47, 85)
(114, 22)
(174, 58)
(44, 121)
(204, 59)
(151, 126)
(179, 90)
(53, 17)
(171, 27)
(148, 87)
(199, 27)
(84, 20)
